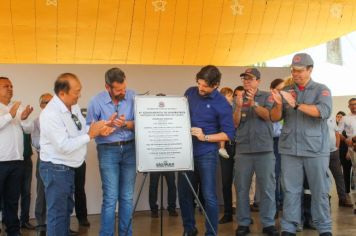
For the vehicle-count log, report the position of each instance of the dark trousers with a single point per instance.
(11, 173)
(40, 207)
(335, 168)
(346, 166)
(80, 198)
(172, 189)
(26, 190)
(279, 193)
(227, 173)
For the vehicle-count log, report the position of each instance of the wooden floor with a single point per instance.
(344, 224)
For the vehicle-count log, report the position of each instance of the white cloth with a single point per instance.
(35, 134)
(332, 133)
(60, 140)
(348, 123)
(11, 133)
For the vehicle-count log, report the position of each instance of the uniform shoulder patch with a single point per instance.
(325, 93)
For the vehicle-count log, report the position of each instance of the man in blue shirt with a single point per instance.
(116, 153)
(211, 121)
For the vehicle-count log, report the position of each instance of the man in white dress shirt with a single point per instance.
(13, 121)
(63, 140)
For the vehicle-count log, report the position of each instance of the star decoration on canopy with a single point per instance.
(236, 7)
(159, 5)
(336, 10)
(51, 2)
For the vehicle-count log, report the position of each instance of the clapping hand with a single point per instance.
(14, 108)
(277, 97)
(289, 98)
(26, 112)
(100, 128)
(239, 99)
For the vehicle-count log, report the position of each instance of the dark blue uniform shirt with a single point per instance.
(213, 114)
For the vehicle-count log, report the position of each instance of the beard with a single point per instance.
(120, 97)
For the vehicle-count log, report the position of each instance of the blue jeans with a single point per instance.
(206, 167)
(118, 174)
(59, 189)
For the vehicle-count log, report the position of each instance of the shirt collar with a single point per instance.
(107, 97)
(63, 108)
(309, 85)
(211, 95)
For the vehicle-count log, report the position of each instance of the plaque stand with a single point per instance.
(161, 204)
(138, 198)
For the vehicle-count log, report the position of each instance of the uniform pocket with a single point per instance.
(285, 139)
(242, 136)
(313, 140)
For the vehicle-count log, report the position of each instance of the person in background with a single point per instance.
(25, 198)
(277, 84)
(40, 205)
(227, 166)
(335, 165)
(345, 162)
(228, 94)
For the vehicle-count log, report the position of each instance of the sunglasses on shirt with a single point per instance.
(76, 122)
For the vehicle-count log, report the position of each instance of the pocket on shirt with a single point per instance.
(285, 139)
(242, 136)
(313, 140)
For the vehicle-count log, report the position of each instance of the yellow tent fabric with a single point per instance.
(167, 32)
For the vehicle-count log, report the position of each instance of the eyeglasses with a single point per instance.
(76, 122)
(249, 79)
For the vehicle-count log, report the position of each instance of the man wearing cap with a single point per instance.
(305, 107)
(254, 153)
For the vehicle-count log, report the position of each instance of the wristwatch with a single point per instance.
(124, 125)
(206, 138)
(296, 106)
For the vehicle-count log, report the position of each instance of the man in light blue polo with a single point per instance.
(305, 107)
(254, 153)
(116, 153)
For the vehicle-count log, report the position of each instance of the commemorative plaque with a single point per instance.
(162, 133)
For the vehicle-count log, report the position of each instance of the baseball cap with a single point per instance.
(302, 60)
(252, 72)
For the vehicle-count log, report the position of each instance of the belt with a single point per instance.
(119, 143)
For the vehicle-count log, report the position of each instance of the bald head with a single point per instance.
(44, 99)
(67, 87)
(63, 82)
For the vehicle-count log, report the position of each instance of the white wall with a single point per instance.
(32, 80)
